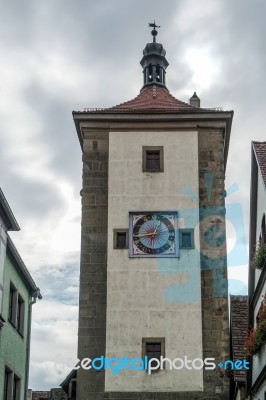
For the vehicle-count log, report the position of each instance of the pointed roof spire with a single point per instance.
(154, 62)
(154, 32)
(194, 100)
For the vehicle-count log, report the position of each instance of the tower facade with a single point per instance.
(153, 278)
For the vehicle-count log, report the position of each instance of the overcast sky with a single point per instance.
(64, 55)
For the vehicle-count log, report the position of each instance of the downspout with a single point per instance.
(36, 294)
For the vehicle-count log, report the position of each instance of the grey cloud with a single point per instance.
(57, 130)
(40, 201)
(59, 283)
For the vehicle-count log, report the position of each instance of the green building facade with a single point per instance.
(18, 293)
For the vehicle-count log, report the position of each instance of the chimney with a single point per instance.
(194, 100)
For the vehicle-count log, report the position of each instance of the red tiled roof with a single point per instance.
(155, 97)
(239, 331)
(260, 150)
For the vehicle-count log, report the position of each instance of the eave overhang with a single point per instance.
(254, 292)
(152, 119)
(68, 379)
(7, 215)
(21, 268)
(252, 222)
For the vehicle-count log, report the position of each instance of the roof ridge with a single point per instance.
(183, 102)
(154, 97)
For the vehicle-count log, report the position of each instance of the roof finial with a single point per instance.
(154, 32)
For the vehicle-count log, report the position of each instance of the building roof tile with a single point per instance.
(260, 150)
(155, 98)
(239, 331)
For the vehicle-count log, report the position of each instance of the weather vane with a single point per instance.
(154, 32)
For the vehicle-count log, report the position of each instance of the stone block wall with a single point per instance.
(53, 394)
(93, 267)
(214, 283)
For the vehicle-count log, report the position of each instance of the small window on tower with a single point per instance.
(152, 159)
(186, 238)
(120, 239)
(150, 73)
(153, 348)
(158, 74)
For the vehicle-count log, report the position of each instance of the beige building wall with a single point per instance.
(136, 304)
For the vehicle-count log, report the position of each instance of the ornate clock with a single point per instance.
(153, 234)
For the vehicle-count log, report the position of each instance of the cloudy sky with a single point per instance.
(64, 55)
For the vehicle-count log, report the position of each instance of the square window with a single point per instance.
(153, 348)
(16, 309)
(152, 159)
(120, 239)
(186, 238)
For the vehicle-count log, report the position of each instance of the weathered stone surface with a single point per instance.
(92, 311)
(214, 309)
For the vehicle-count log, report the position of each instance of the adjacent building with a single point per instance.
(53, 394)
(257, 272)
(153, 273)
(238, 336)
(18, 293)
(69, 385)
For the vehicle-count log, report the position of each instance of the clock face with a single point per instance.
(153, 234)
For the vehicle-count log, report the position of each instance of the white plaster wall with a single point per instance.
(260, 361)
(136, 304)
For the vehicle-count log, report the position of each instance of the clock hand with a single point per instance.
(157, 226)
(143, 234)
(148, 234)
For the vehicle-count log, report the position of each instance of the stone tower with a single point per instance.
(153, 273)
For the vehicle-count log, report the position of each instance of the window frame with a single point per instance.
(16, 312)
(263, 229)
(191, 231)
(145, 150)
(16, 387)
(7, 384)
(12, 384)
(151, 340)
(115, 232)
(20, 315)
(13, 299)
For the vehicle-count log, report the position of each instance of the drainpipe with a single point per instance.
(36, 294)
